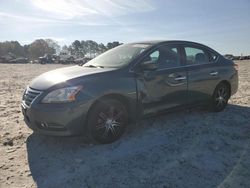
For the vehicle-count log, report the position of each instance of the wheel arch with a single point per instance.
(226, 83)
(119, 97)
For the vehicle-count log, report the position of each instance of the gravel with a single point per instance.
(194, 148)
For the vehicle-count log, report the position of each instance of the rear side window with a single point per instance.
(196, 56)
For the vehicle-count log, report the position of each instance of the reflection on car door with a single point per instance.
(203, 74)
(165, 87)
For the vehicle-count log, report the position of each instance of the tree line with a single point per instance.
(89, 48)
(40, 47)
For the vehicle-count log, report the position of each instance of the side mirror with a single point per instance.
(149, 65)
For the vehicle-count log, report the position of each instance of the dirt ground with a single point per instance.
(193, 148)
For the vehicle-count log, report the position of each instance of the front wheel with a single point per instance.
(107, 121)
(220, 97)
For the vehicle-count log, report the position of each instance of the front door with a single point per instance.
(165, 87)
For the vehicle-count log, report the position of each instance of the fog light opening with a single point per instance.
(45, 125)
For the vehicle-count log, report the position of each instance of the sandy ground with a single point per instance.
(193, 148)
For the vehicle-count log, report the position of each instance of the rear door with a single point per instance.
(202, 72)
(165, 87)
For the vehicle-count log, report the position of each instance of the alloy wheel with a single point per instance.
(221, 97)
(109, 122)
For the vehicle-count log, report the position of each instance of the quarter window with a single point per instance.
(195, 56)
(212, 57)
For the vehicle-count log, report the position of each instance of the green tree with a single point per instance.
(65, 48)
(90, 48)
(39, 48)
(83, 49)
(75, 48)
(12, 47)
(114, 44)
(53, 44)
(101, 48)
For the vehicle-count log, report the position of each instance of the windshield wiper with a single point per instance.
(93, 66)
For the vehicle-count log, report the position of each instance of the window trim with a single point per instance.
(206, 51)
(196, 48)
(180, 46)
(178, 53)
(175, 45)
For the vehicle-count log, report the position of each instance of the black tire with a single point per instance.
(107, 121)
(220, 97)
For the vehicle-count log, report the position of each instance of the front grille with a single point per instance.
(30, 95)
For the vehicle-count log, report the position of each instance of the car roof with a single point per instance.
(159, 42)
(156, 42)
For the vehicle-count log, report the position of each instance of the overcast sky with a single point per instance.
(221, 24)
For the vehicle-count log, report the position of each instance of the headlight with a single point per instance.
(67, 94)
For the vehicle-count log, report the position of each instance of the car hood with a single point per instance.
(48, 79)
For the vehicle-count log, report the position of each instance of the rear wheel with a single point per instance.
(220, 97)
(107, 121)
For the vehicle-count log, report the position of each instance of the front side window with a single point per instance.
(154, 56)
(195, 56)
(165, 56)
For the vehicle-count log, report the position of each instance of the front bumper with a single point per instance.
(56, 119)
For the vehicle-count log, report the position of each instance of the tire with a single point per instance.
(220, 97)
(107, 121)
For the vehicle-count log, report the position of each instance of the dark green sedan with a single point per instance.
(100, 98)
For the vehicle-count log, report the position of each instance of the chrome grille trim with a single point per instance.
(30, 95)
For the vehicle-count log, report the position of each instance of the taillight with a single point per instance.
(236, 66)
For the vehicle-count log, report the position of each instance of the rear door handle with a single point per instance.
(213, 73)
(180, 78)
(172, 75)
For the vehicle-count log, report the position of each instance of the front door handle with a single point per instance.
(213, 73)
(180, 78)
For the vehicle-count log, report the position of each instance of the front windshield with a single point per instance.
(118, 57)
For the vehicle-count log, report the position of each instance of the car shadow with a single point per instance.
(181, 149)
